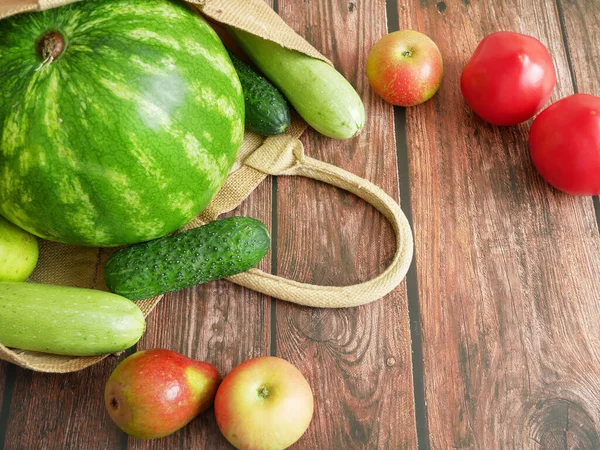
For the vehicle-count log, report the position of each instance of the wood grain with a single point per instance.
(61, 411)
(4, 410)
(219, 322)
(581, 20)
(508, 269)
(3, 370)
(581, 24)
(358, 361)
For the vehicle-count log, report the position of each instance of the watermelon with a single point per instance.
(119, 120)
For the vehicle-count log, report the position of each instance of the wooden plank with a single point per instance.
(508, 269)
(219, 322)
(61, 411)
(358, 361)
(3, 370)
(581, 22)
(4, 388)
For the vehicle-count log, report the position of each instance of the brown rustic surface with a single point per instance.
(581, 24)
(508, 269)
(504, 299)
(581, 21)
(4, 369)
(219, 322)
(359, 359)
(60, 411)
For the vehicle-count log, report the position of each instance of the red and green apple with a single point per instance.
(405, 68)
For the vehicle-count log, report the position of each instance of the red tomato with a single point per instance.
(564, 141)
(508, 79)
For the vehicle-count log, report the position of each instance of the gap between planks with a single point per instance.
(597, 208)
(124, 441)
(274, 230)
(412, 288)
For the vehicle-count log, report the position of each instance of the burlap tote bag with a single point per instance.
(258, 158)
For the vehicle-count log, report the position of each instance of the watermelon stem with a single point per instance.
(50, 46)
(44, 63)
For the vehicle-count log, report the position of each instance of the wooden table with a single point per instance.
(493, 342)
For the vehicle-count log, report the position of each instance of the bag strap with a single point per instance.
(284, 156)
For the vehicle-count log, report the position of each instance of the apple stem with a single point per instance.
(263, 392)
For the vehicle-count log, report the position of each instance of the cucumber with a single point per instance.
(320, 94)
(66, 320)
(217, 250)
(267, 112)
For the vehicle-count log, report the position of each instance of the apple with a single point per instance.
(153, 393)
(264, 403)
(405, 68)
(18, 252)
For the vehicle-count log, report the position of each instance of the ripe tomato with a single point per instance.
(564, 141)
(508, 79)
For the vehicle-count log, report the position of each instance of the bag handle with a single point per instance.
(284, 155)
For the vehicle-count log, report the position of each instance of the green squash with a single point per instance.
(119, 120)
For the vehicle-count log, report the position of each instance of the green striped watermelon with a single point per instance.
(119, 120)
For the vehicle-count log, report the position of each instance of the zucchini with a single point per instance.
(320, 94)
(267, 112)
(66, 320)
(217, 250)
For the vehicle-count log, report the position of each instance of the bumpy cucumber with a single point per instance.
(267, 112)
(217, 250)
(320, 94)
(67, 320)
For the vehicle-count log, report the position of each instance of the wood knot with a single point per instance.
(561, 423)
(324, 325)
